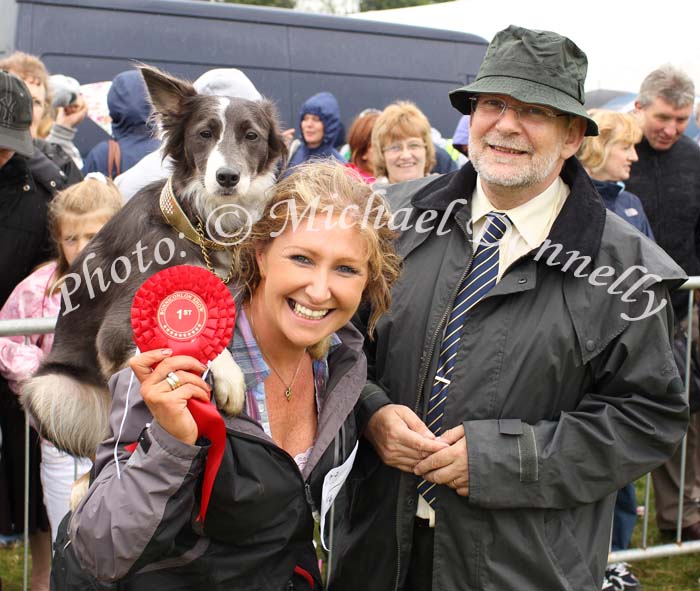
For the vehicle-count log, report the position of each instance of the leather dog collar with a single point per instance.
(173, 214)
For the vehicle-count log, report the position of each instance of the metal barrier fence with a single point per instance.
(34, 326)
(679, 546)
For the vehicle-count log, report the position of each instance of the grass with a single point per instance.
(11, 567)
(675, 573)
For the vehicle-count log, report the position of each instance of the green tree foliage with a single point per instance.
(274, 3)
(386, 4)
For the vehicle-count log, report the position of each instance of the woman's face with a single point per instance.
(38, 93)
(76, 231)
(619, 162)
(405, 159)
(312, 281)
(312, 129)
(366, 160)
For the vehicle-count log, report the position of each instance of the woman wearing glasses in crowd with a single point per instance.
(402, 149)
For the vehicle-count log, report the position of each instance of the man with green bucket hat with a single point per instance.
(525, 371)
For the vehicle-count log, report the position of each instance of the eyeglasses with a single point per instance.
(492, 107)
(395, 149)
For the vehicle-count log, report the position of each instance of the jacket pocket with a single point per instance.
(566, 554)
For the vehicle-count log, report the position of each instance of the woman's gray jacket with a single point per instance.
(140, 526)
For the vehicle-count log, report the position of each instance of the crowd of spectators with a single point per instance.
(641, 164)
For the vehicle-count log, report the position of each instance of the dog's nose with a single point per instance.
(227, 177)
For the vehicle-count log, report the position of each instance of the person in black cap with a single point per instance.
(25, 192)
(524, 373)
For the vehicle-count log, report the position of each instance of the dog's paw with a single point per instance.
(229, 384)
(78, 490)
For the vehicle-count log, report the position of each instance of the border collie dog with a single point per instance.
(226, 154)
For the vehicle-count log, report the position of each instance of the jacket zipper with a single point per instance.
(422, 376)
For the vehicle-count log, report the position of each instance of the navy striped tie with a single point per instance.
(481, 277)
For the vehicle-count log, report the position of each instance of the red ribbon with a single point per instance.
(189, 310)
(210, 425)
(305, 575)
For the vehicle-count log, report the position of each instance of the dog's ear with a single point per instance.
(166, 92)
(277, 147)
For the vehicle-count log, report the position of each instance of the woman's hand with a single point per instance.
(72, 115)
(169, 405)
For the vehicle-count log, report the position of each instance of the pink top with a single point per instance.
(368, 178)
(18, 360)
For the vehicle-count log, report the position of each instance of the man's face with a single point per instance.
(5, 156)
(510, 152)
(663, 123)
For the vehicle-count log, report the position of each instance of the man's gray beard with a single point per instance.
(537, 171)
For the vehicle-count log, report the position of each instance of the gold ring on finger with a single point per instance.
(173, 381)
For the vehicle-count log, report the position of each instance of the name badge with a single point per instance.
(331, 486)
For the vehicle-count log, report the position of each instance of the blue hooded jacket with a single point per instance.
(625, 204)
(461, 135)
(326, 107)
(129, 108)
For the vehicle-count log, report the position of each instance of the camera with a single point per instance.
(64, 90)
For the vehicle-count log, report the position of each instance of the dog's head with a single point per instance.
(226, 150)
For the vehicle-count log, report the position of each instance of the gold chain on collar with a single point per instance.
(205, 254)
(173, 214)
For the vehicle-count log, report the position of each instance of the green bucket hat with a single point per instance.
(538, 67)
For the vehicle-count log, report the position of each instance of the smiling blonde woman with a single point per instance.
(304, 368)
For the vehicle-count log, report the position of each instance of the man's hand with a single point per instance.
(400, 437)
(450, 465)
(72, 115)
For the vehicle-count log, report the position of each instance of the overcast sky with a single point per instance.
(623, 40)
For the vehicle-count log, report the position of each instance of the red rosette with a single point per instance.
(189, 310)
(184, 308)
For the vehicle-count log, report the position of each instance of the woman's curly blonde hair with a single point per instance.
(613, 127)
(326, 189)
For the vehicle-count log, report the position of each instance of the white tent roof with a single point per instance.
(624, 41)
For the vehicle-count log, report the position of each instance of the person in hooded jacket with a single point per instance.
(130, 110)
(320, 126)
(460, 137)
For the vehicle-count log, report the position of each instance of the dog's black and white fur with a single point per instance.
(225, 150)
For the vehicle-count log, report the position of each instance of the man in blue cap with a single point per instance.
(525, 371)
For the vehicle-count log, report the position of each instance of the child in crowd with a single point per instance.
(76, 215)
